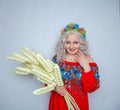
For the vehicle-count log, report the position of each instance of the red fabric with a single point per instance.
(70, 63)
(89, 84)
(57, 102)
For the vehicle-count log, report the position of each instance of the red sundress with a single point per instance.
(78, 84)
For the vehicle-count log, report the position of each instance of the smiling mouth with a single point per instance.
(72, 50)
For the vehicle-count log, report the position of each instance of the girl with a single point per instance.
(79, 72)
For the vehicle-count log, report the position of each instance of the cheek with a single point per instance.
(77, 47)
(66, 46)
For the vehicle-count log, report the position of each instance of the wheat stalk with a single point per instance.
(44, 70)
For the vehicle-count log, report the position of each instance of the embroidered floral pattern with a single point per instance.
(71, 75)
(95, 70)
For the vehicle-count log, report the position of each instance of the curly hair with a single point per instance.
(60, 47)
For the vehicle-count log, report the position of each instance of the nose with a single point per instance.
(71, 46)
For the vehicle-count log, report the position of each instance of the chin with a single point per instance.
(72, 53)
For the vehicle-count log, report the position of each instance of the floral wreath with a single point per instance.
(74, 27)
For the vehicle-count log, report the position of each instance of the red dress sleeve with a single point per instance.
(90, 80)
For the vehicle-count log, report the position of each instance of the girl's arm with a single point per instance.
(90, 79)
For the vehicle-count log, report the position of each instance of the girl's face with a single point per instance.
(72, 44)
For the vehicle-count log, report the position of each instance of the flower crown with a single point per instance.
(74, 27)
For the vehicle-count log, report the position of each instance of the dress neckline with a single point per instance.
(71, 63)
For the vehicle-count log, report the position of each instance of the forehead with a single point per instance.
(72, 37)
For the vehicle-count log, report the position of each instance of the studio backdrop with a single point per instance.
(36, 24)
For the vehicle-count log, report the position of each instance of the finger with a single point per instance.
(62, 88)
(89, 58)
(80, 52)
(76, 56)
(62, 92)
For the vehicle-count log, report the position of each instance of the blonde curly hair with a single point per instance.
(60, 47)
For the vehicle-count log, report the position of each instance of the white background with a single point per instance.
(36, 24)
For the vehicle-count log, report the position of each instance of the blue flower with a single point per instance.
(76, 25)
(84, 36)
(67, 27)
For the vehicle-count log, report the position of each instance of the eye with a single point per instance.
(76, 42)
(67, 42)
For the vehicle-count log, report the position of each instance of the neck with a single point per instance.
(69, 57)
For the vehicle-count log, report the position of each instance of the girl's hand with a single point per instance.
(83, 60)
(60, 90)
